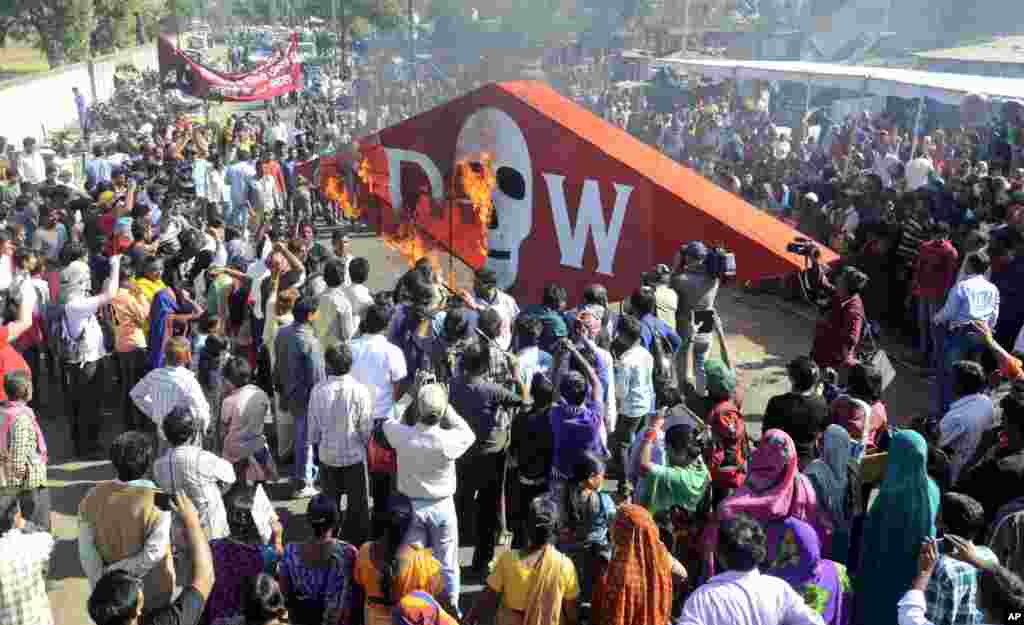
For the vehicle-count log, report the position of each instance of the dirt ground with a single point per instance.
(764, 333)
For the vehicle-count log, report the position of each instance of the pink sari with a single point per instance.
(774, 490)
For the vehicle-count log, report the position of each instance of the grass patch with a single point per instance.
(18, 60)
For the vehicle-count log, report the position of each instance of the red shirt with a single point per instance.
(10, 359)
(105, 223)
(837, 336)
(935, 270)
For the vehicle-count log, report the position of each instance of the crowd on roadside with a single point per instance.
(249, 355)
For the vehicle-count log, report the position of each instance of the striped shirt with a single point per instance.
(340, 410)
(162, 390)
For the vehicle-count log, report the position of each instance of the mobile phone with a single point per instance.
(163, 501)
(705, 320)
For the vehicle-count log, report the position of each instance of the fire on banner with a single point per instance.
(281, 75)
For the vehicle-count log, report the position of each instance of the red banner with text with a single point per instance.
(281, 75)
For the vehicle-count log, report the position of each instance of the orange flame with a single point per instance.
(478, 181)
(334, 190)
(413, 246)
(364, 173)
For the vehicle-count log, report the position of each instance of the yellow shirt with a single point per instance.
(512, 578)
(150, 287)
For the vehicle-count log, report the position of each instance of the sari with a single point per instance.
(902, 515)
(794, 554)
(160, 330)
(548, 583)
(420, 608)
(830, 477)
(244, 413)
(418, 570)
(637, 585)
(774, 489)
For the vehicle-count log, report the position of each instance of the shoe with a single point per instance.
(306, 492)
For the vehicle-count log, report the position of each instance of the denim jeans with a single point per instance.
(436, 526)
(700, 356)
(930, 336)
(304, 470)
(961, 344)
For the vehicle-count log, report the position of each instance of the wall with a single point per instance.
(37, 105)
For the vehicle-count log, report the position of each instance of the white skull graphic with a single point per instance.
(491, 131)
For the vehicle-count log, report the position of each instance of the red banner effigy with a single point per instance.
(280, 75)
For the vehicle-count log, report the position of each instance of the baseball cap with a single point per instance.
(695, 249)
(322, 510)
(662, 270)
(812, 197)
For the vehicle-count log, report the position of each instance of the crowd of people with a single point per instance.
(247, 355)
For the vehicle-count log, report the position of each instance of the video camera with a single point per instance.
(804, 247)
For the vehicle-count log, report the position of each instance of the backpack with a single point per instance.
(664, 364)
(64, 347)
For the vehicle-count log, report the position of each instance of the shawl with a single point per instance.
(544, 601)
(829, 475)
(637, 584)
(794, 554)
(774, 488)
(901, 517)
(164, 305)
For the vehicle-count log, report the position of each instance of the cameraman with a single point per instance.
(838, 334)
(696, 289)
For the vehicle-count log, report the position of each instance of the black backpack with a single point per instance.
(664, 364)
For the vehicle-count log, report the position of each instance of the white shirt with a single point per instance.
(427, 455)
(31, 167)
(6, 271)
(911, 609)
(198, 474)
(81, 319)
(917, 173)
(962, 427)
(216, 186)
(360, 298)
(334, 324)
(279, 132)
(162, 390)
(378, 363)
(747, 598)
(507, 307)
(339, 420)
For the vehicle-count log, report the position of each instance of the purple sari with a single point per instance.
(794, 554)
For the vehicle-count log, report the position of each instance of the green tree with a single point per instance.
(63, 27)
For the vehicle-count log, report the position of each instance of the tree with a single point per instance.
(10, 20)
(63, 26)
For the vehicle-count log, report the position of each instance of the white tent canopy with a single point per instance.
(883, 81)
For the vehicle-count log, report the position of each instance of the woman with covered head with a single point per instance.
(537, 585)
(794, 554)
(836, 483)
(774, 490)
(636, 587)
(728, 451)
(901, 517)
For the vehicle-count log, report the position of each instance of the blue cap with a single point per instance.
(695, 249)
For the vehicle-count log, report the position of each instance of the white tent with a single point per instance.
(883, 81)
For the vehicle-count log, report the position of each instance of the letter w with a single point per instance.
(589, 220)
